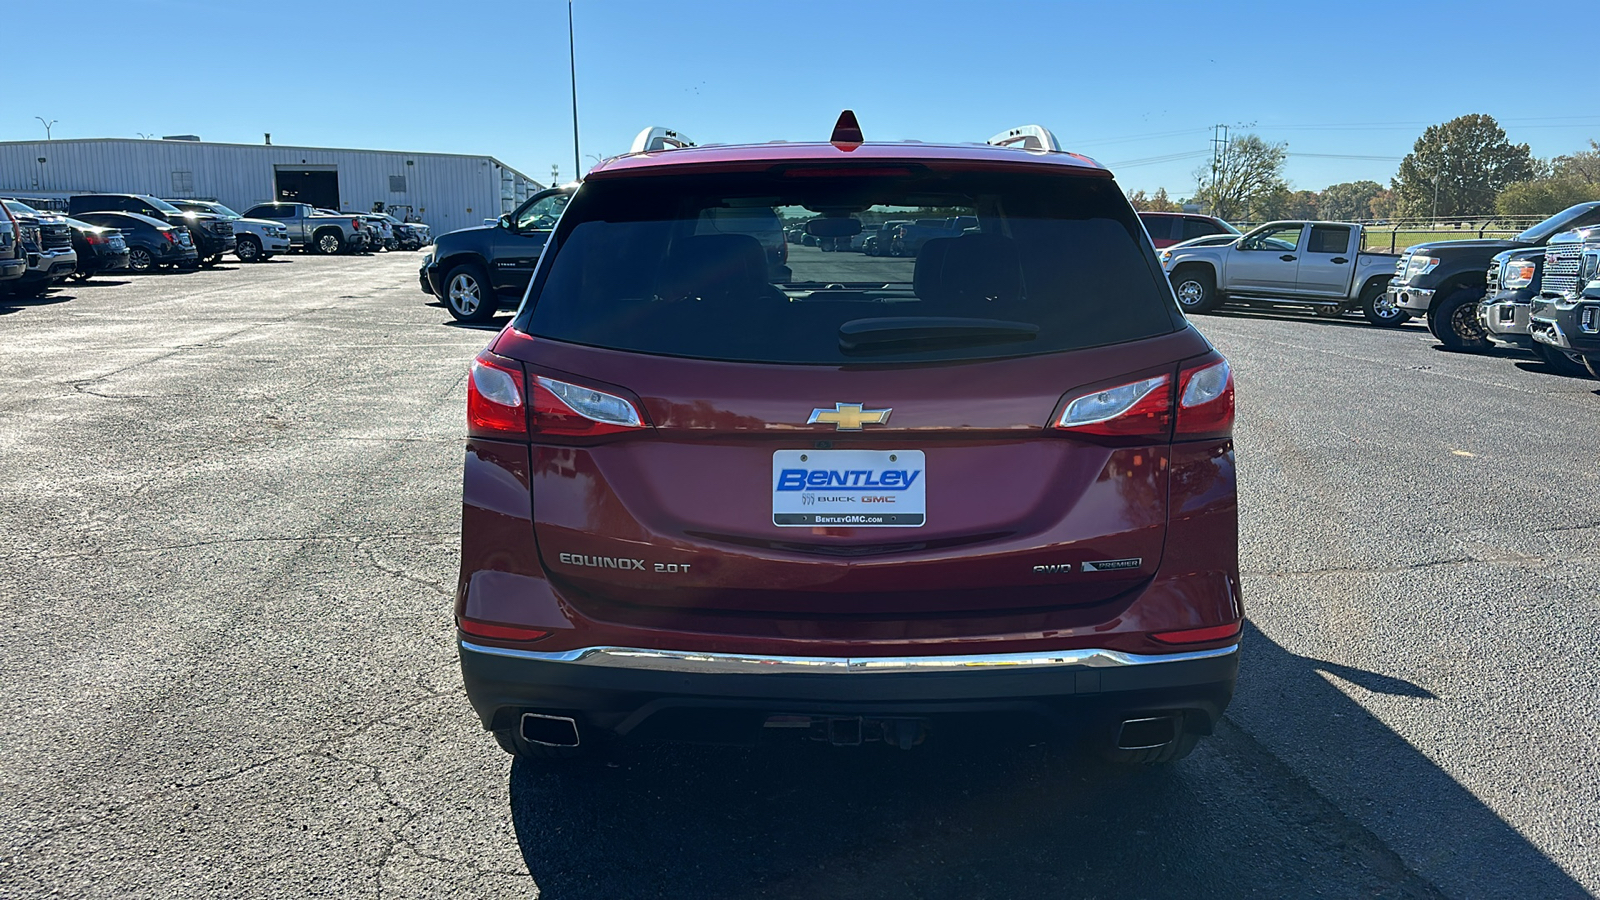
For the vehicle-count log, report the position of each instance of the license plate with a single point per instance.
(849, 488)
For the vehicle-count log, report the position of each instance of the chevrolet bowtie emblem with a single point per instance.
(849, 416)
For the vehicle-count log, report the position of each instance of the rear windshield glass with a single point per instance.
(804, 268)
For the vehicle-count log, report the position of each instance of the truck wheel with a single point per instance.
(1455, 322)
(1561, 362)
(329, 242)
(248, 249)
(1380, 309)
(469, 295)
(1196, 287)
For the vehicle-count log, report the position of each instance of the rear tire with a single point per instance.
(329, 242)
(140, 260)
(1196, 289)
(1562, 363)
(1455, 322)
(1380, 309)
(469, 295)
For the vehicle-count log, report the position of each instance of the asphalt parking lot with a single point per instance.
(230, 501)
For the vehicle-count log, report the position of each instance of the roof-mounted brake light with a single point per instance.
(1027, 137)
(847, 132)
(659, 138)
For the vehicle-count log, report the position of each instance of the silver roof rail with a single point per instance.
(1027, 137)
(659, 138)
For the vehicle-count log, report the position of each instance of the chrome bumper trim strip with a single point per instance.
(692, 661)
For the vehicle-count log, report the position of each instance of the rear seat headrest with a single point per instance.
(714, 267)
(972, 268)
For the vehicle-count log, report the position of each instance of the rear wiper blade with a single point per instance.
(909, 333)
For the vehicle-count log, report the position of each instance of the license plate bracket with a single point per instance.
(849, 488)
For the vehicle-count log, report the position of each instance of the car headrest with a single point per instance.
(714, 267)
(973, 268)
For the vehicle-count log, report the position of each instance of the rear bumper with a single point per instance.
(621, 689)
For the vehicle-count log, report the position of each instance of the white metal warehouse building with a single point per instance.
(447, 191)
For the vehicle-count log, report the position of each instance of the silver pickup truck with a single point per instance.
(313, 229)
(1320, 265)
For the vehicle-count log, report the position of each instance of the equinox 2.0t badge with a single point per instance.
(849, 416)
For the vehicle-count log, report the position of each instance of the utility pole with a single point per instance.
(555, 174)
(1443, 164)
(1219, 159)
(572, 60)
(47, 125)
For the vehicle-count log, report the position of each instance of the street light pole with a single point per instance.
(47, 125)
(572, 60)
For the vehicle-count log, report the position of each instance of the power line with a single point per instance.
(1153, 160)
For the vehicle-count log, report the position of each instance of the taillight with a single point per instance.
(1140, 408)
(572, 410)
(495, 398)
(90, 237)
(170, 235)
(1205, 400)
(356, 224)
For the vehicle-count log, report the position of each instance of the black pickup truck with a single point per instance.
(476, 271)
(1444, 280)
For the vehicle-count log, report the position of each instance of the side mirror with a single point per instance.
(505, 221)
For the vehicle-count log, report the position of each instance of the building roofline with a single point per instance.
(163, 141)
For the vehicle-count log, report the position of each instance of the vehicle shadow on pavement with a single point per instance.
(18, 304)
(99, 283)
(969, 818)
(1296, 709)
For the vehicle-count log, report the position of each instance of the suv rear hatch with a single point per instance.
(867, 436)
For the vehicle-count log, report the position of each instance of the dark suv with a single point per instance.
(477, 270)
(212, 234)
(865, 501)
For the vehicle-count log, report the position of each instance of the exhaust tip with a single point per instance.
(1147, 733)
(549, 731)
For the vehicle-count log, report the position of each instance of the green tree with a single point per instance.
(1383, 204)
(1349, 201)
(1157, 202)
(1250, 174)
(1458, 168)
(1545, 196)
(1583, 165)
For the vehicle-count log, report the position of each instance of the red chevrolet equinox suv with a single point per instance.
(865, 498)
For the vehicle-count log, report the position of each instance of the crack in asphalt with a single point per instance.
(82, 385)
(229, 541)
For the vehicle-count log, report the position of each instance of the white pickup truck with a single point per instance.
(1306, 264)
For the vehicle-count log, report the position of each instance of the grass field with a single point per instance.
(1378, 239)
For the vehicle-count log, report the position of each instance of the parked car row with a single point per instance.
(43, 243)
(1538, 291)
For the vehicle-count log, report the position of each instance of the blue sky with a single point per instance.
(1136, 85)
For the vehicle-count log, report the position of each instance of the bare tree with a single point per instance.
(1251, 170)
